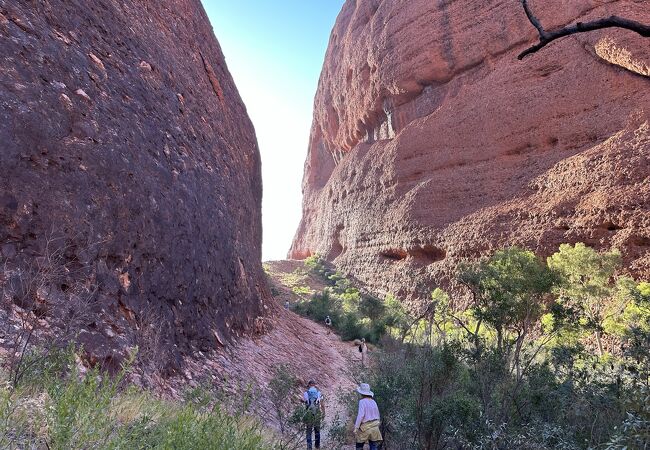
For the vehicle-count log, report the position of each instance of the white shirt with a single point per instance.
(368, 410)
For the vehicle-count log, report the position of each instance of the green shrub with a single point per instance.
(78, 409)
(319, 306)
(316, 264)
(423, 396)
(302, 290)
(524, 364)
(355, 315)
(372, 307)
(634, 432)
(349, 327)
(58, 407)
(190, 429)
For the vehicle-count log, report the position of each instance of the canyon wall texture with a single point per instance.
(128, 165)
(431, 143)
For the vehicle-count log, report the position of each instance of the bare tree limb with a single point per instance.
(546, 37)
(534, 20)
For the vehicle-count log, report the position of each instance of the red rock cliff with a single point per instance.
(432, 143)
(124, 139)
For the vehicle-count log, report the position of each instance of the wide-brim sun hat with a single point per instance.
(364, 389)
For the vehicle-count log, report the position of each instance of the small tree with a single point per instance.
(372, 307)
(442, 313)
(406, 324)
(636, 333)
(421, 392)
(510, 294)
(588, 285)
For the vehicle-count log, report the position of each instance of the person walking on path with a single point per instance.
(366, 427)
(314, 414)
(363, 349)
(328, 324)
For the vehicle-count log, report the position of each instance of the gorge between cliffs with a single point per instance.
(474, 239)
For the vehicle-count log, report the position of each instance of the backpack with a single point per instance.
(313, 400)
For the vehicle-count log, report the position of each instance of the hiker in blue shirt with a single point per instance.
(314, 414)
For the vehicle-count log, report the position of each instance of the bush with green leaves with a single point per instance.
(444, 396)
(423, 394)
(546, 354)
(58, 406)
(354, 315)
(589, 286)
(317, 265)
(287, 413)
(635, 430)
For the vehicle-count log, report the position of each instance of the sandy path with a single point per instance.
(304, 346)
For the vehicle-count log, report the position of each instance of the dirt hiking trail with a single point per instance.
(305, 347)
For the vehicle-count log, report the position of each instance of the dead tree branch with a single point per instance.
(546, 37)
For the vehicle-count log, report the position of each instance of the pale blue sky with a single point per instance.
(274, 50)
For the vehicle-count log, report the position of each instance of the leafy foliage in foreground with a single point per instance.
(57, 407)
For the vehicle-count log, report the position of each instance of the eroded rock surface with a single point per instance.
(125, 144)
(432, 143)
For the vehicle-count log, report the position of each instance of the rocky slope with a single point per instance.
(432, 143)
(130, 175)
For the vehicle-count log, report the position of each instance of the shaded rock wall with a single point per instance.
(432, 143)
(123, 138)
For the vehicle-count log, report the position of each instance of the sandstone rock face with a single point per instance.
(125, 144)
(431, 143)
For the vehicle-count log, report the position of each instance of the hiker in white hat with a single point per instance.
(366, 427)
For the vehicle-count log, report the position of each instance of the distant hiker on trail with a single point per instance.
(286, 305)
(328, 324)
(315, 412)
(366, 427)
(363, 349)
